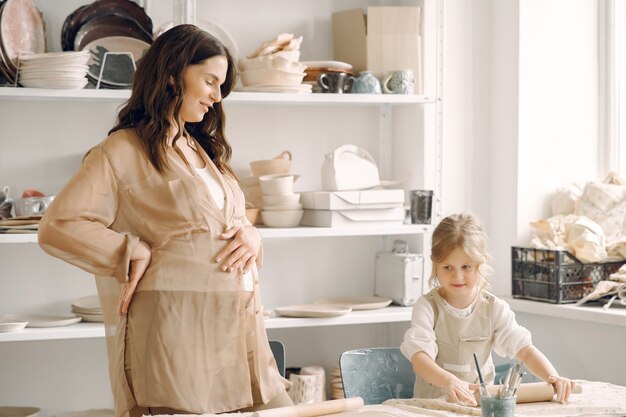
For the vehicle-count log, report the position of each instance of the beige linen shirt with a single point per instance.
(187, 339)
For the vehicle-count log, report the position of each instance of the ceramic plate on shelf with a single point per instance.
(100, 412)
(41, 320)
(12, 326)
(211, 27)
(328, 64)
(313, 310)
(19, 411)
(357, 303)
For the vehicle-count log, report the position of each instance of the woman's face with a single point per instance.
(202, 83)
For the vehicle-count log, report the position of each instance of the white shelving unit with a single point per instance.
(45, 133)
(96, 330)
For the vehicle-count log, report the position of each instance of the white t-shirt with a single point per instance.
(217, 193)
(215, 189)
(509, 337)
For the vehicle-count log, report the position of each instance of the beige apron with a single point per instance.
(457, 340)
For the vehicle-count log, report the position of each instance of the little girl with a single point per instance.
(459, 318)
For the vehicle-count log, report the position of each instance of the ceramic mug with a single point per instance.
(399, 82)
(335, 82)
(366, 83)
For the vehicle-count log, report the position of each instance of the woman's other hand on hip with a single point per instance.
(139, 262)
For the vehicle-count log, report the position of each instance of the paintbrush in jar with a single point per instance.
(483, 387)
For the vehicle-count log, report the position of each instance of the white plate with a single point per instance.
(100, 412)
(357, 303)
(52, 83)
(90, 302)
(41, 320)
(297, 89)
(327, 64)
(19, 411)
(12, 326)
(213, 28)
(91, 318)
(313, 310)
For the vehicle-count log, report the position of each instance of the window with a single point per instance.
(614, 123)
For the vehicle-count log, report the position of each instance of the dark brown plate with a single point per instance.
(108, 26)
(102, 8)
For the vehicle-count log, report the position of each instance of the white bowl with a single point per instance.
(281, 200)
(270, 62)
(296, 206)
(282, 218)
(271, 77)
(290, 55)
(277, 184)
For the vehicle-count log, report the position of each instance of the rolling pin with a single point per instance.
(533, 392)
(312, 410)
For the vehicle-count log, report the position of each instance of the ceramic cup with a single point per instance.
(421, 206)
(365, 83)
(399, 82)
(335, 82)
(497, 407)
(303, 388)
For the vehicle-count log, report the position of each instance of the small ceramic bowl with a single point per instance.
(252, 214)
(279, 165)
(282, 218)
(270, 77)
(277, 184)
(281, 200)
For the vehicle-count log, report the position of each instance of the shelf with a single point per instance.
(295, 232)
(343, 231)
(18, 238)
(614, 316)
(75, 331)
(384, 315)
(95, 330)
(19, 93)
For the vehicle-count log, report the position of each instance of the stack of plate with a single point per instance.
(120, 27)
(88, 308)
(54, 70)
(274, 67)
(21, 31)
(336, 384)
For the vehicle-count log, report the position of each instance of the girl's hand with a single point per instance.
(461, 391)
(562, 386)
(139, 262)
(242, 250)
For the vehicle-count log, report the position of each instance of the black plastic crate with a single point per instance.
(555, 276)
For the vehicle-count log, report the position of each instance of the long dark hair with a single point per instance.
(154, 95)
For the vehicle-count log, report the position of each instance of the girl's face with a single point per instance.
(458, 278)
(202, 83)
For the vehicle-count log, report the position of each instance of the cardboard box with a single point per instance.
(352, 200)
(387, 39)
(353, 218)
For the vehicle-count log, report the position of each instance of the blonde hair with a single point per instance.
(463, 231)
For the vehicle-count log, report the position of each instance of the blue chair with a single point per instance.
(501, 371)
(376, 374)
(278, 350)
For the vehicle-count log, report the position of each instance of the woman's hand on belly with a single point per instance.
(139, 262)
(242, 250)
